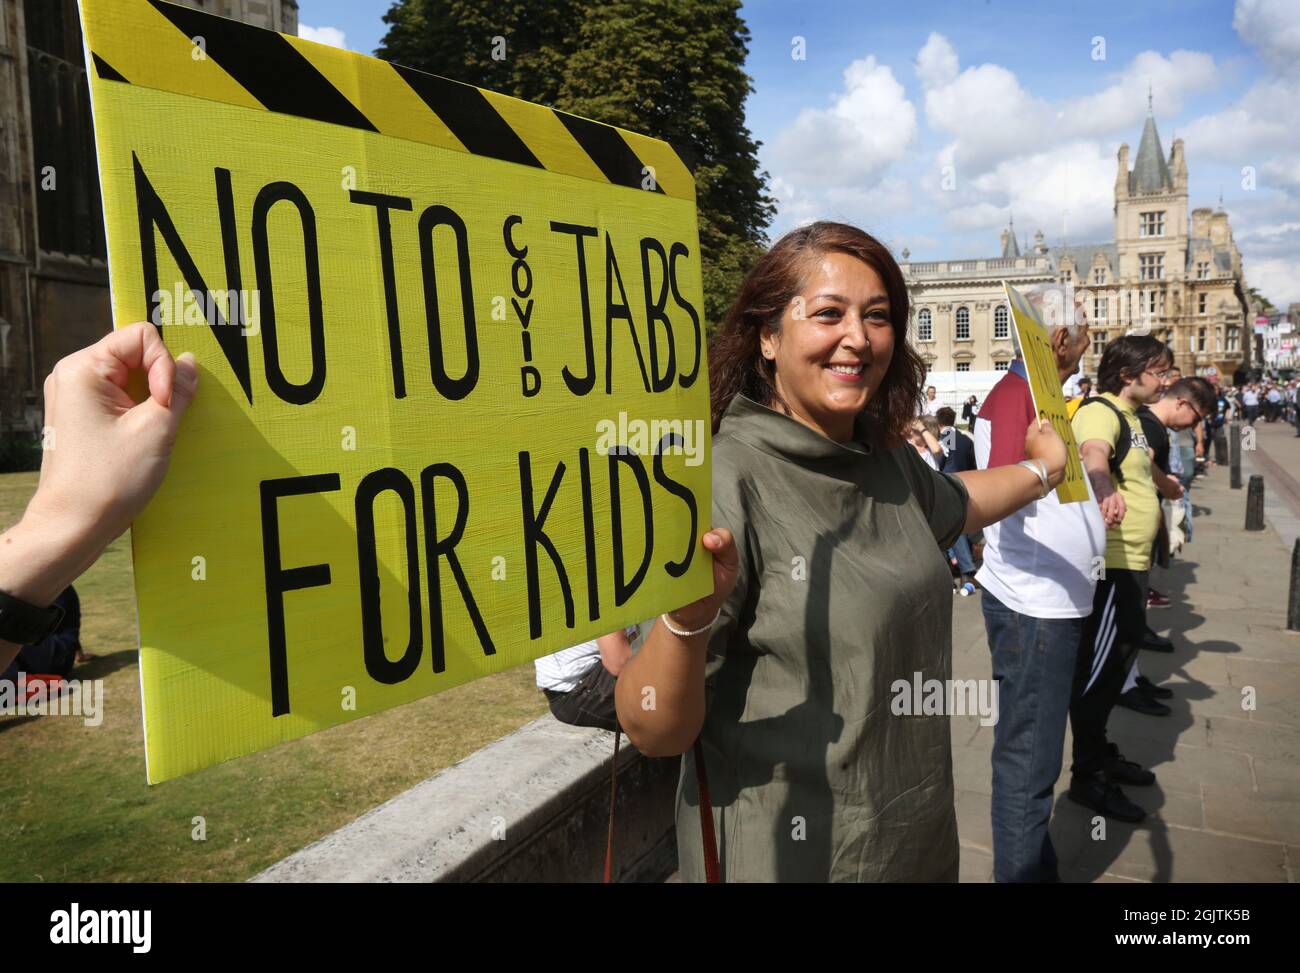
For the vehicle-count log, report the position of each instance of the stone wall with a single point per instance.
(531, 807)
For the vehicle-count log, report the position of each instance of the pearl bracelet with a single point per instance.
(684, 634)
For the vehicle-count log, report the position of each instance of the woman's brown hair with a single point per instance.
(736, 362)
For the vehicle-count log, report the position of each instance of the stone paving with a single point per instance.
(1226, 803)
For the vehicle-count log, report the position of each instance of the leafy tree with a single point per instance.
(673, 69)
(1259, 300)
(458, 38)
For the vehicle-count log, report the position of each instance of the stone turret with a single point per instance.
(1178, 166)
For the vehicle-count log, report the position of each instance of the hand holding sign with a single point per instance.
(104, 458)
(726, 564)
(105, 454)
(1045, 387)
(1043, 442)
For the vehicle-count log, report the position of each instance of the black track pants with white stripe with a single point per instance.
(1109, 643)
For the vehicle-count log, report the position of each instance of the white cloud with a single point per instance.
(323, 35)
(869, 125)
(1123, 105)
(989, 114)
(936, 63)
(1264, 120)
(867, 208)
(1068, 186)
(1277, 278)
(1271, 231)
(1271, 26)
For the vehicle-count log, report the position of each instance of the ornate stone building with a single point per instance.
(1180, 280)
(53, 278)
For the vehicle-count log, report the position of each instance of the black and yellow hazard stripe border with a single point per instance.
(168, 47)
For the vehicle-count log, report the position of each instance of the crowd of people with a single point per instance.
(828, 453)
(1273, 400)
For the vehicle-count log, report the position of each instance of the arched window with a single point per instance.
(924, 325)
(1001, 327)
(963, 323)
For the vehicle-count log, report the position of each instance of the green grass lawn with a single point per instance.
(74, 805)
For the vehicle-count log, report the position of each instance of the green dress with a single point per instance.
(842, 590)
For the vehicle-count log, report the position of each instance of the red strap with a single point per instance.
(712, 873)
(609, 844)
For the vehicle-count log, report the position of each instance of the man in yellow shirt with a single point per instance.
(1115, 457)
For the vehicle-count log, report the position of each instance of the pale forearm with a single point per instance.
(1167, 485)
(997, 493)
(660, 693)
(615, 650)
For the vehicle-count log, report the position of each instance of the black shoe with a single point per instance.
(1122, 771)
(1105, 798)
(1156, 643)
(1152, 690)
(1140, 702)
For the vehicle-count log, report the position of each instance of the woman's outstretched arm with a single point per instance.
(1001, 491)
(660, 692)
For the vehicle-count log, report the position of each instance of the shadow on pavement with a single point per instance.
(1087, 844)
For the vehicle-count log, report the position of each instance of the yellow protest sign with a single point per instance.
(1045, 385)
(453, 403)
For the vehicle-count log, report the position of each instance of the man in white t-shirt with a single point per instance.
(1039, 575)
(930, 405)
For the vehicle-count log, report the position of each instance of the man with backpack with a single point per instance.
(1118, 465)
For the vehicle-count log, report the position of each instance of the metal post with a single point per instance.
(1255, 503)
(1234, 454)
(1293, 604)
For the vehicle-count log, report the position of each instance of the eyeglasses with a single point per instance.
(1160, 375)
(1196, 412)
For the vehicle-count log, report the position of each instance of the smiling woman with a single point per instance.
(829, 586)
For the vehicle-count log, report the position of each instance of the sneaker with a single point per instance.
(1126, 771)
(1152, 690)
(1156, 643)
(1156, 600)
(1107, 799)
(1140, 702)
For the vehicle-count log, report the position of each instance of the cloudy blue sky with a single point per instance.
(1020, 105)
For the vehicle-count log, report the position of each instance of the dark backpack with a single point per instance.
(1125, 441)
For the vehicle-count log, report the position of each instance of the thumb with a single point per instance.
(184, 384)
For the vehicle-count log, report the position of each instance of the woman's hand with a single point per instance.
(726, 564)
(105, 454)
(1042, 442)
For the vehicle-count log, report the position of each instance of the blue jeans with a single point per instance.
(961, 551)
(1033, 661)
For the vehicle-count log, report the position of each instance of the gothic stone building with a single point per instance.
(53, 278)
(1180, 281)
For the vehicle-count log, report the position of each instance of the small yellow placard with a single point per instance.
(1045, 385)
